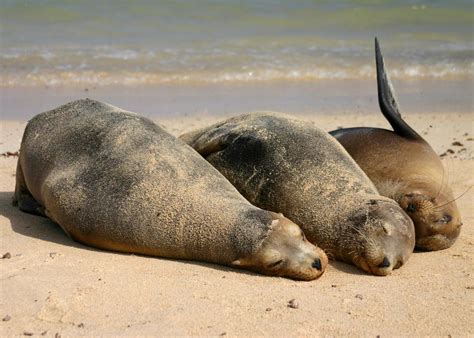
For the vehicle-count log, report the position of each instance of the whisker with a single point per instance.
(441, 187)
(442, 205)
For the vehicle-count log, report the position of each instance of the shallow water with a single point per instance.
(57, 43)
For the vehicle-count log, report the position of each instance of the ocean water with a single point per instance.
(71, 42)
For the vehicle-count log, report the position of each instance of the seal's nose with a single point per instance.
(385, 263)
(317, 264)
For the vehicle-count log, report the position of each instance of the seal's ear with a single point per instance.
(388, 101)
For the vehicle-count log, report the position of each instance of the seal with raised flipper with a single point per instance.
(114, 180)
(404, 167)
(286, 165)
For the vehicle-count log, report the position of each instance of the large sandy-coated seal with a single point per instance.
(114, 180)
(285, 165)
(404, 167)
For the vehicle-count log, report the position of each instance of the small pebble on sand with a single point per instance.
(7, 255)
(293, 304)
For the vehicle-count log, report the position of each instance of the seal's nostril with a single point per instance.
(385, 263)
(399, 264)
(317, 264)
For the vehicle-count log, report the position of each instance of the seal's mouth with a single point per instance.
(383, 268)
(436, 242)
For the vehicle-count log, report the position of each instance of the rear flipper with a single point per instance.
(22, 197)
(388, 101)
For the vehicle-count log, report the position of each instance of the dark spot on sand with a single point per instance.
(6, 318)
(81, 325)
(10, 154)
(457, 143)
(7, 255)
(359, 296)
(268, 309)
(449, 151)
(27, 333)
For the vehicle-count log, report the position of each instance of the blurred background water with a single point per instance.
(71, 42)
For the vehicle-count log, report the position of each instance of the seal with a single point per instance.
(405, 168)
(114, 180)
(285, 165)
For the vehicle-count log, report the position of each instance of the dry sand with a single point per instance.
(53, 285)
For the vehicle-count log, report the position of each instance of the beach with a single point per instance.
(53, 285)
(188, 64)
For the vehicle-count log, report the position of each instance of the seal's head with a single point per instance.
(383, 237)
(436, 218)
(427, 198)
(286, 252)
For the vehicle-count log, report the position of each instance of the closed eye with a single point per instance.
(273, 265)
(444, 220)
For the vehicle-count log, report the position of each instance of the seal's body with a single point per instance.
(285, 165)
(404, 167)
(114, 180)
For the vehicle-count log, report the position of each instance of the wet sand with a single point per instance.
(51, 284)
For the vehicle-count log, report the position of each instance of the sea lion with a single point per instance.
(285, 165)
(404, 167)
(114, 180)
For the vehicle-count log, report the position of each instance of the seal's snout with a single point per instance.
(391, 238)
(317, 264)
(385, 263)
(287, 252)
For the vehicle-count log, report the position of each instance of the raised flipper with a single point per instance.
(388, 101)
(22, 197)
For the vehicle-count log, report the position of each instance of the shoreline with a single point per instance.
(302, 98)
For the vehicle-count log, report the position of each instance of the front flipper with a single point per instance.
(22, 197)
(388, 101)
(209, 140)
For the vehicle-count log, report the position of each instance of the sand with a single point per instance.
(53, 285)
